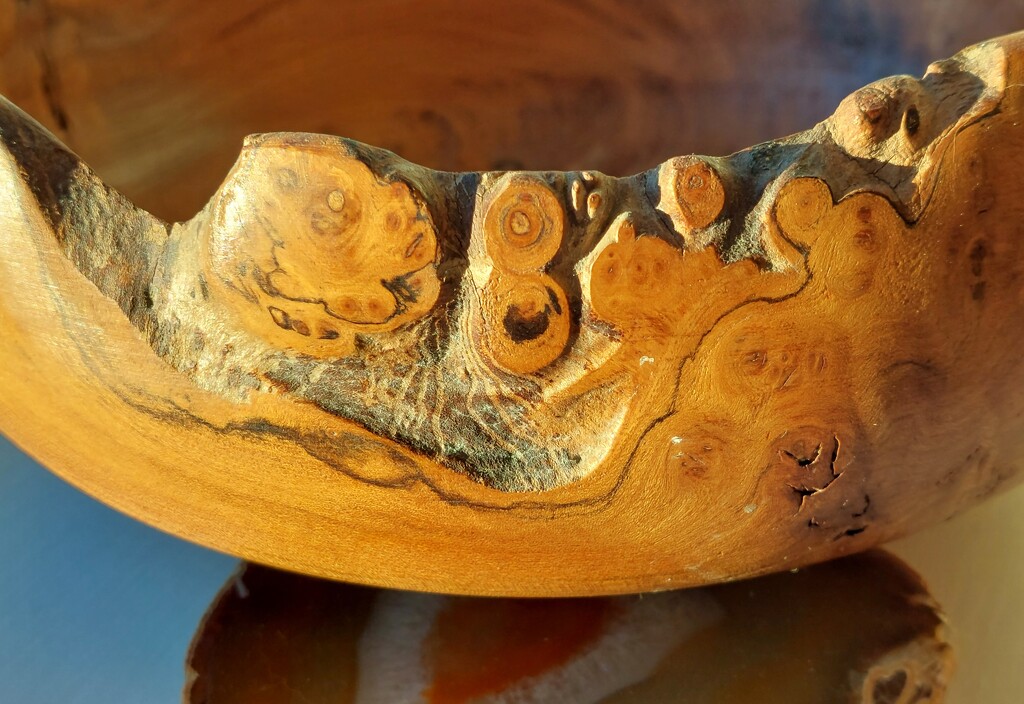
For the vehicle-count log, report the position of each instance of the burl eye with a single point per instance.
(524, 322)
(308, 248)
(889, 120)
(524, 225)
(692, 195)
(875, 106)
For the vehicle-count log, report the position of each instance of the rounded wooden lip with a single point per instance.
(192, 460)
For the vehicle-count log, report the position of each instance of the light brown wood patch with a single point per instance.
(538, 382)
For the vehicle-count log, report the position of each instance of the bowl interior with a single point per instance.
(157, 96)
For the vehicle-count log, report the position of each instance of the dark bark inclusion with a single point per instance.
(525, 325)
(467, 432)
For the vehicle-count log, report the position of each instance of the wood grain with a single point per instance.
(538, 383)
(457, 85)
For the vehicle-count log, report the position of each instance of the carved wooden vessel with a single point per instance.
(526, 382)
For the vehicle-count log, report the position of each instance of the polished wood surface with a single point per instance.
(538, 382)
(456, 85)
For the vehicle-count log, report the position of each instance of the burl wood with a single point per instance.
(539, 382)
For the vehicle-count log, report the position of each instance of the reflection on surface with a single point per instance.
(860, 629)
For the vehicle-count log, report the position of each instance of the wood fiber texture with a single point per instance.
(538, 382)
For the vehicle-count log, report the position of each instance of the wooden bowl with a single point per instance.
(511, 381)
